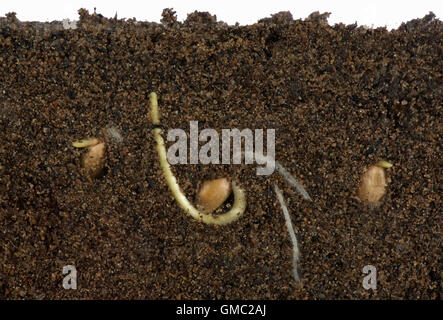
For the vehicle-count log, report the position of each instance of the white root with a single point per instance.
(291, 180)
(295, 250)
(284, 173)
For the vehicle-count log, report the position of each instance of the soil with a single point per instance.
(340, 98)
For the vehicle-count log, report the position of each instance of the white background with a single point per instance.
(369, 12)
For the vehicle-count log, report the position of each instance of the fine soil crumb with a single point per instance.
(340, 98)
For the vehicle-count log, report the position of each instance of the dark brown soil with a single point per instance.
(340, 98)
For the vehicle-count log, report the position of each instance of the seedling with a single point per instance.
(239, 205)
(213, 193)
(93, 161)
(295, 251)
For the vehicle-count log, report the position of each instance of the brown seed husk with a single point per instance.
(212, 194)
(373, 185)
(93, 161)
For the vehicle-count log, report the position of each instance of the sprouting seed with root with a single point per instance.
(214, 192)
(94, 160)
(211, 195)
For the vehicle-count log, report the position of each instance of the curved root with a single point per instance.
(239, 195)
